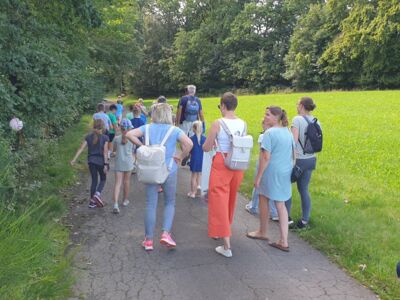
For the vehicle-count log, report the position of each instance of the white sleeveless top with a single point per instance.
(236, 127)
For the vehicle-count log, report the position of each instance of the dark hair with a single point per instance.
(113, 106)
(229, 100)
(100, 107)
(308, 103)
(131, 107)
(280, 113)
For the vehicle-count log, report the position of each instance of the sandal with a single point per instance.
(253, 235)
(280, 247)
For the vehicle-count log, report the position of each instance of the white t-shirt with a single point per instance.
(236, 127)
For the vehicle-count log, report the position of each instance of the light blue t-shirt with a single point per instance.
(157, 133)
(103, 116)
(120, 109)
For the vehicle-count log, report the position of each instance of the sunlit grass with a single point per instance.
(360, 164)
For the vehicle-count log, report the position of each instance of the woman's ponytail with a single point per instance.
(284, 119)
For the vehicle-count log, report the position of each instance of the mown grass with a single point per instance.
(355, 189)
(33, 241)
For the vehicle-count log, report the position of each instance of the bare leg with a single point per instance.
(261, 233)
(127, 184)
(227, 243)
(283, 222)
(198, 180)
(193, 183)
(117, 187)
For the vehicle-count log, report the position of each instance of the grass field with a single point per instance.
(355, 190)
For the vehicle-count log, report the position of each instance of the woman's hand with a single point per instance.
(257, 182)
(177, 158)
(72, 162)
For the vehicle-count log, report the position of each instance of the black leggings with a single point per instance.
(96, 170)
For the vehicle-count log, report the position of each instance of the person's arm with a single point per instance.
(263, 162)
(80, 150)
(212, 135)
(134, 136)
(178, 115)
(105, 155)
(295, 133)
(201, 115)
(186, 146)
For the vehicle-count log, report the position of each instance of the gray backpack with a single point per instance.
(151, 165)
(239, 156)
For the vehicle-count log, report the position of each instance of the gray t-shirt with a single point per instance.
(123, 157)
(96, 151)
(301, 125)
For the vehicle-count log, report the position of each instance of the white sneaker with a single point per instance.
(116, 208)
(224, 252)
(125, 203)
(275, 218)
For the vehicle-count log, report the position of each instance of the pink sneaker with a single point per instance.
(147, 245)
(167, 240)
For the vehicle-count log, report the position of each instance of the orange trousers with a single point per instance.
(222, 191)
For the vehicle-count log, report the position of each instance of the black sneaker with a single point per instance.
(301, 225)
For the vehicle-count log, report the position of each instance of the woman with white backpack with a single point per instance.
(162, 135)
(224, 181)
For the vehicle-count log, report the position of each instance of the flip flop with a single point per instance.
(257, 237)
(279, 246)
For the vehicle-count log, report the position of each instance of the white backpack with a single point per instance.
(151, 165)
(239, 156)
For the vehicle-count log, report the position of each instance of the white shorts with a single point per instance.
(186, 127)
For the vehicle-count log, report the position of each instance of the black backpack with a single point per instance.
(313, 134)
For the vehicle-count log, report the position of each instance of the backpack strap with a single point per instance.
(167, 135)
(146, 135)
(245, 129)
(225, 128)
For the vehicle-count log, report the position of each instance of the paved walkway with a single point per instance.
(111, 264)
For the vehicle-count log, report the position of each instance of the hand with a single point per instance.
(177, 158)
(105, 169)
(72, 162)
(257, 183)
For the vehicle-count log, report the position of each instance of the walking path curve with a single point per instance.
(111, 264)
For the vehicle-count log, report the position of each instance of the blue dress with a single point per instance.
(196, 155)
(275, 182)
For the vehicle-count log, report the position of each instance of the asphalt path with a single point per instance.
(110, 262)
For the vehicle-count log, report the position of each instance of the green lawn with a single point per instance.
(360, 163)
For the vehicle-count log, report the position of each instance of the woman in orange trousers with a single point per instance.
(224, 182)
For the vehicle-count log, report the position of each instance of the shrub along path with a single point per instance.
(111, 263)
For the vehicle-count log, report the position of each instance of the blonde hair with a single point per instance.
(162, 114)
(197, 129)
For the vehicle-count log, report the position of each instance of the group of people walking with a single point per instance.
(280, 148)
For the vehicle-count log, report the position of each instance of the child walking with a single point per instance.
(196, 157)
(97, 161)
(123, 150)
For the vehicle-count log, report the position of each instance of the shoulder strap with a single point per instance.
(167, 135)
(307, 120)
(147, 135)
(245, 129)
(225, 127)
